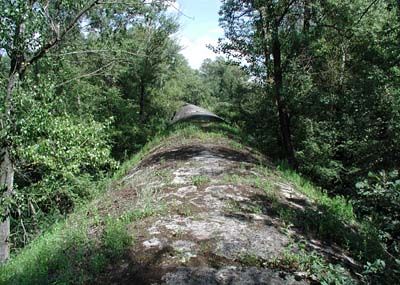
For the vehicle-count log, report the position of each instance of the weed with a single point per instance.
(165, 175)
(115, 238)
(199, 180)
(268, 186)
(98, 262)
(68, 254)
(233, 206)
(248, 259)
(230, 178)
(185, 210)
(332, 219)
(236, 145)
(179, 233)
(313, 265)
(254, 208)
(205, 247)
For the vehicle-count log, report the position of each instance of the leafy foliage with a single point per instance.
(318, 77)
(378, 198)
(73, 108)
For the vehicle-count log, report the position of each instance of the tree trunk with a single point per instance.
(282, 108)
(306, 17)
(398, 8)
(6, 169)
(398, 18)
(141, 102)
(6, 181)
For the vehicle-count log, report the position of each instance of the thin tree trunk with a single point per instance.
(277, 77)
(398, 8)
(307, 17)
(16, 72)
(282, 108)
(6, 181)
(141, 102)
(6, 170)
(398, 18)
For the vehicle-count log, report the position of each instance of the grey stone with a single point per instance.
(224, 222)
(227, 275)
(152, 243)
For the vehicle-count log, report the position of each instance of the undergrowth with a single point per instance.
(333, 220)
(312, 266)
(79, 248)
(330, 219)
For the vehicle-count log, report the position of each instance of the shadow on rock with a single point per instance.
(184, 153)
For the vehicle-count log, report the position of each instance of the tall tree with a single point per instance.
(159, 53)
(29, 31)
(253, 31)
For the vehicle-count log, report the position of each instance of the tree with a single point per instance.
(228, 85)
(253, 31)
(150, 38)
(26, 38)
(29, 31)
(333, 70)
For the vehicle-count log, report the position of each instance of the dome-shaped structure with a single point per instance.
(190, 112)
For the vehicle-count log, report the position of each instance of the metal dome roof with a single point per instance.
(190, 112)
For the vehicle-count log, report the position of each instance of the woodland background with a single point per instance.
(84, 85)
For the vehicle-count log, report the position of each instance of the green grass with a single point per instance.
(248, 259)
(69, 254)
(313, 265)
(233, 206)
(78, 249)
(338, 205)
(200, 180)
(332, 219)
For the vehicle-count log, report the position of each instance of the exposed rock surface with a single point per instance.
(214, 226)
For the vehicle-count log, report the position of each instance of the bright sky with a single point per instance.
(199, 27)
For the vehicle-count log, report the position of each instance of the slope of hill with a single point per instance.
(198, 207)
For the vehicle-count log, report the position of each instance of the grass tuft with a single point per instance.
(79, 249)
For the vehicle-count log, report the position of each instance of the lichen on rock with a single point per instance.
(212, 229)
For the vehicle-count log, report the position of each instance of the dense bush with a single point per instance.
(59, 156)
(378, 200)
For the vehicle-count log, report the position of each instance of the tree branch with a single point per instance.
(40, 53)
(180, 12)
(366, 11)
(100, 51)
(279, 20)
(93, 73)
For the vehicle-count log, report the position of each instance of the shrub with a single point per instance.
(378, 200)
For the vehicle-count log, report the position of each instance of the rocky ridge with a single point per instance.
(215, 220)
